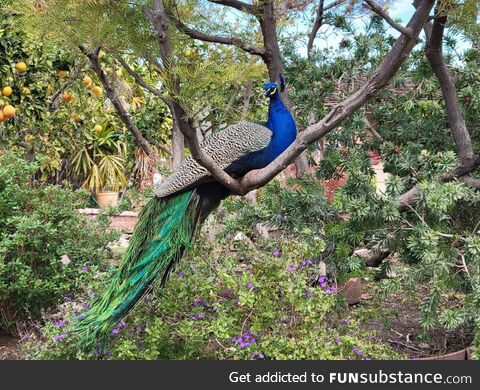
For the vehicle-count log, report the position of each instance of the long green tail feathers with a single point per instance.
(164, 230)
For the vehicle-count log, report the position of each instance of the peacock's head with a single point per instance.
(271, 89)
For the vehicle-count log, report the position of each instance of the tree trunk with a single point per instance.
(273, 61)
(178, 147)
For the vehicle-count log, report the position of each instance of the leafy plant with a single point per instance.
(44, 243)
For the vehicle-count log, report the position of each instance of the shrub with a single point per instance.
(44, 242)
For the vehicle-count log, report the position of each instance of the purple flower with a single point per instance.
(338, 340)
(357, 351)
(245, 340)
(345, 322)
(181, 273)
(330, 290)
(322, 280)
(85, 268)
(59, 323)
(280, 217)
(257, 356)
(414, 358)
(199, 302)
(86, 306)
(115, 331)
(59, 337)
(68, 299)
(366, 358)
(276, 252)
(26, 337)
(308, 294)
(200, 316)
(250, 285)
(122, 324)
(291, 267)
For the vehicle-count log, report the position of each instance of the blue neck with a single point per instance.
(282, 125)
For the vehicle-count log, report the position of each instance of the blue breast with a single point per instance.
(284, 132)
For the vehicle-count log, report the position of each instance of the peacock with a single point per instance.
(166, 225)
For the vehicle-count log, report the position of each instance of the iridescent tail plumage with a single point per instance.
(164, 230)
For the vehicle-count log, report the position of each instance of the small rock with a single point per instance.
(352, 291)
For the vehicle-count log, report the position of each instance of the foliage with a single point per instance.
(247, 300)
(44, 243)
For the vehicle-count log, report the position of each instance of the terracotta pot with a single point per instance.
(463, 354)
(107, 199)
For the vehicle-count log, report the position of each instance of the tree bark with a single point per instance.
(178, 147)
(458, 127)
(273, 61)
(117, 104)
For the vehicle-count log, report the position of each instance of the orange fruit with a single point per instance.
(87, 81)
(21, 66)
(98, 128)
(67, 96)
(2, 117)
(7, 91)
(62, 74)
(9, 111)
(97, 91)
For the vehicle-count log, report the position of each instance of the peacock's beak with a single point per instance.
(270, 92)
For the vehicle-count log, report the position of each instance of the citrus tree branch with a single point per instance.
(117, 104)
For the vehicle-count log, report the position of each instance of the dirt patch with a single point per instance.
(395, 320)
(9, 347)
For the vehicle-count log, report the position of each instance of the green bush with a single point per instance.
(45, 244)
(235, 297)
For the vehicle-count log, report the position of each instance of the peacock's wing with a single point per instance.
(225, 147)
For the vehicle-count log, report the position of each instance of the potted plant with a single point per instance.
(101, 162)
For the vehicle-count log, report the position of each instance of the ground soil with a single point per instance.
(395, 320)
(9, 347)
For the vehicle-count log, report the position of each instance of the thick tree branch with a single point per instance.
(472, 181)
(161, 22)
(372, 6)
(224, 40)
(455, 117)
(239, 5)
(410, 198)
(316, 26)
(344, 110)
(117, 104)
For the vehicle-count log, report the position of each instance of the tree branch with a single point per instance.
(386, 70)
(455, 117)
(53, 104)
(372, 6)
(160, 21)
(472, 181)
(117, 104)
(316, 26)
(140, 81)
(239, 5)
(224, 40)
